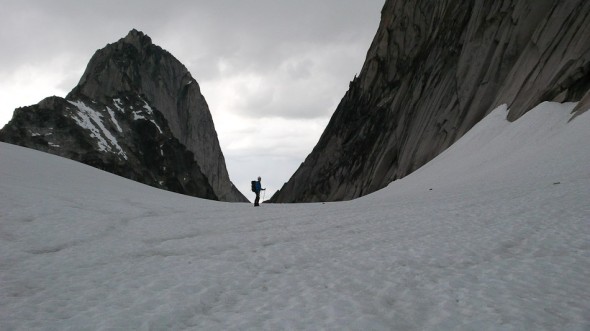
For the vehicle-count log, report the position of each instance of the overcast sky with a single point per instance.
(272, 71)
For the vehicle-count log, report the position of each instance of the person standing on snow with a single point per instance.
(257, 189)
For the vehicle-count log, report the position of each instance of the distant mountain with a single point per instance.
(136, 112)
(434, 69)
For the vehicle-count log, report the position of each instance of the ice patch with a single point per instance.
(114, 120)
(118, 105)
(147, 108)
(137, 115)
(157, 126)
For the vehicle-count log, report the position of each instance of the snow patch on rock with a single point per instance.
(91, 120)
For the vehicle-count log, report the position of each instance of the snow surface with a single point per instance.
(494, 234)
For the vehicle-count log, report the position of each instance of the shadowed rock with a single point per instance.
(434, 69)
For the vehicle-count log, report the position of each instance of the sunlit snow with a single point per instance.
(494, 234)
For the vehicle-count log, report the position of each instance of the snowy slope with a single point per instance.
(493, 234)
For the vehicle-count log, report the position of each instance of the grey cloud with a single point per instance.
(254, 36)
(271, 38)
(305, 85)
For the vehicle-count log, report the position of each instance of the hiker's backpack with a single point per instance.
(253, 186)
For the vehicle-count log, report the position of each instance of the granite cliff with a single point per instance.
(434, 69)
(136, 112)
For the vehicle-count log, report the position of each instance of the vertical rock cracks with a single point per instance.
(433, 70)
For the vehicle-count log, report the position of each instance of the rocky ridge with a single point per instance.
(434, 69)
(136, 112)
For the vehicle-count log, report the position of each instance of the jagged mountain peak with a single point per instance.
(130, 64)
(134, 64)
(132, 95)
(138, 39)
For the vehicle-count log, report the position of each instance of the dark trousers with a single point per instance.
(257, 200)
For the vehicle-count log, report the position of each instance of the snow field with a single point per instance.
(494, 234)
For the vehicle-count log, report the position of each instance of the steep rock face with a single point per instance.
(434, 69)
(136, 70)
(136, 65)
(125, 137)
